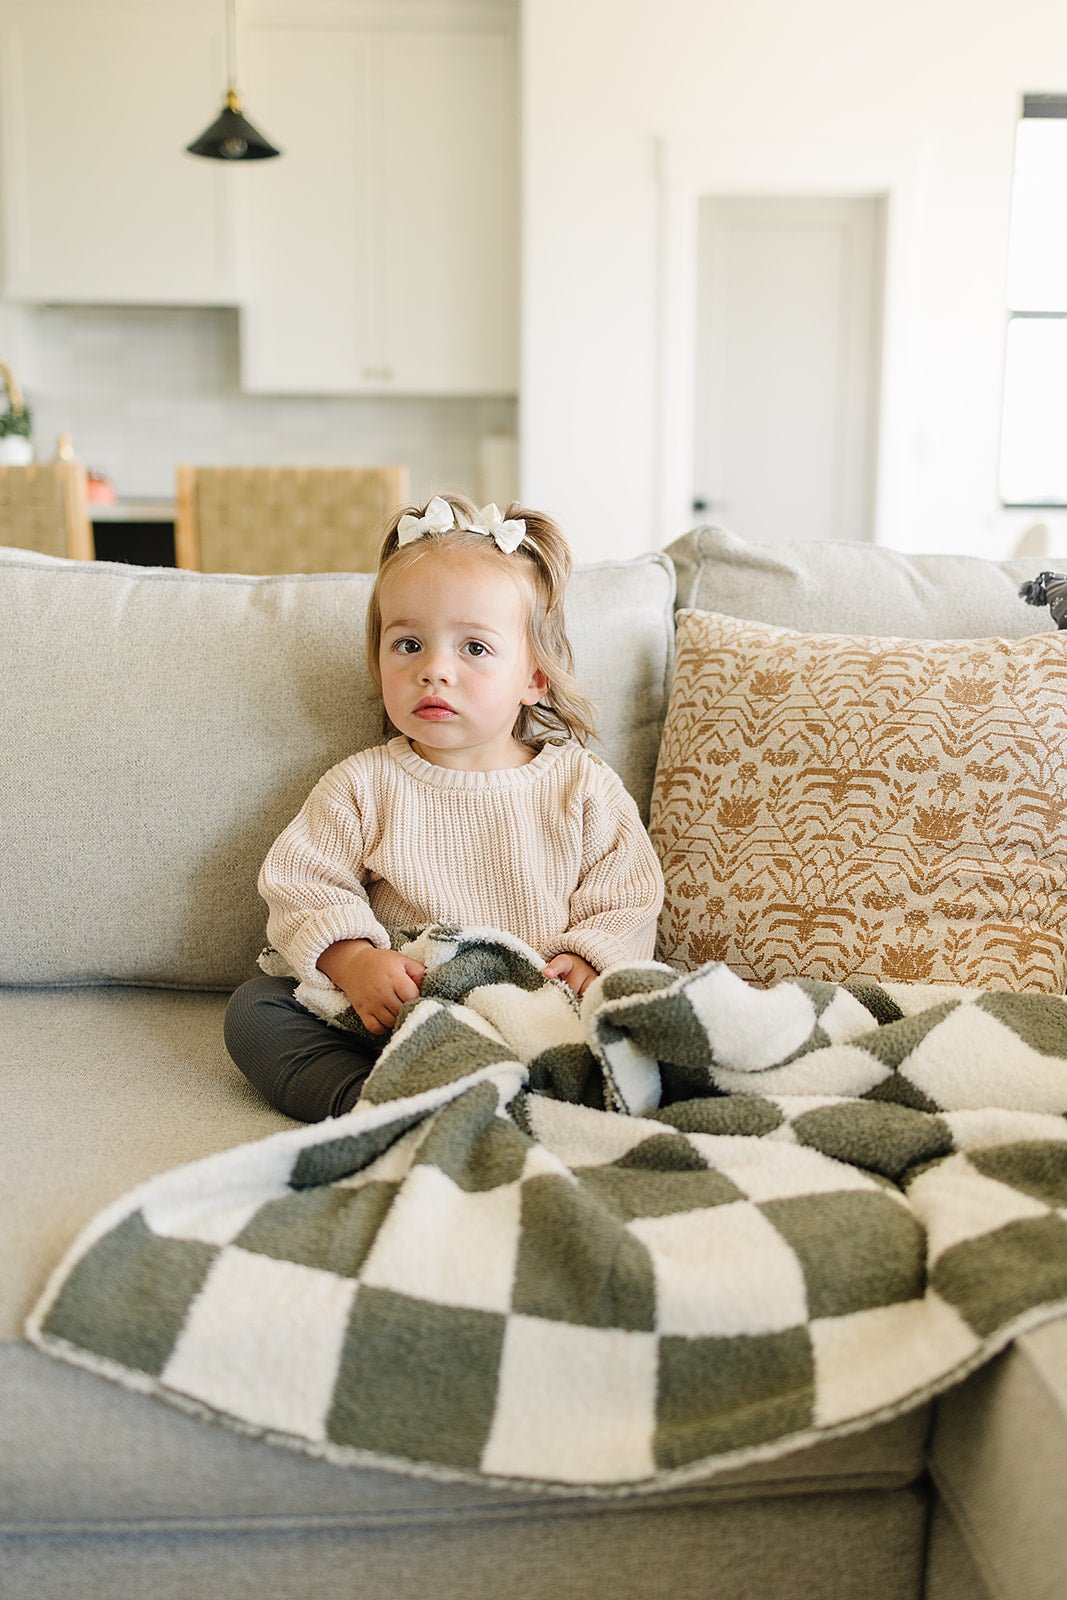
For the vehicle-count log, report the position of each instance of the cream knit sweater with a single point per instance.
(553, 851)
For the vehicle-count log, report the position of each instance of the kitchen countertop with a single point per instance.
(131, 511)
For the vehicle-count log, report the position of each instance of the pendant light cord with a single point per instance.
(232, 97)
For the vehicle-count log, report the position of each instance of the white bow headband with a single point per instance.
(440, 518)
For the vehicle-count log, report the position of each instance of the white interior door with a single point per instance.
(787, 365)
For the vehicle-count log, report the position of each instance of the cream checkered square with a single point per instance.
(230, 1353)
(527, 1018)
(582, 1137)
(961, 1060)
(956, 1202)
(722, 1271)
(193, 1209)
(442, 1243)
(770, 1169)
(871, 1359)
(840, 1068)
(560, 1403)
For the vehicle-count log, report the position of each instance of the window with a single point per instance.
(1033, 458)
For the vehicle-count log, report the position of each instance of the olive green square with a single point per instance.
(898, 1090)
(471, 1144)
(331, 1229)
(351, 1153)
(441, 1050)
(856, 1249)
(647, 1192)
(720, 1394)
(998, 1276)
(665, 1028)
(661, 1175)
(663, 1152)
(875, 1135)
(415, 1380)
(894, 1042)
(1036, 1166)
(882, 1006)
(747, 1115)
(626, 983)
(128, 1297)
(476, 963)
(577, 1262)
(1040, 1020)
(568, 1072)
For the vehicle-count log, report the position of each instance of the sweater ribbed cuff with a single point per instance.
(602, 949)
(329, 927)
(599, 949)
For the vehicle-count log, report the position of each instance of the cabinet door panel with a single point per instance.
(449, 213)
(309, 320)
(101, 201)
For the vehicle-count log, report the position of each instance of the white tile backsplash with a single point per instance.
(140, 389)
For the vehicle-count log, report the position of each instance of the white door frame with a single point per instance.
(688, 171)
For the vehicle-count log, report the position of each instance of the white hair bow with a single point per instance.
(438, 518)
(508, 535)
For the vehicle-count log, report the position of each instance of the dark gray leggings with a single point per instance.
(299, 1064)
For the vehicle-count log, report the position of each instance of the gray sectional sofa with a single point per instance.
(157, 729)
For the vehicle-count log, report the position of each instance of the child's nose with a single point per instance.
(435, 666)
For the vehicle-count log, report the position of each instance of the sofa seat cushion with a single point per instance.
(843, 586)
(79, 1452)
(999, 1461)
(108, 1087)
(103, 1088)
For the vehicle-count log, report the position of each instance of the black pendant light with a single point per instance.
(231, 137)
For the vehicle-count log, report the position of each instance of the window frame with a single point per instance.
(1035, 107)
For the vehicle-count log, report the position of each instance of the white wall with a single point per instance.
(607, 83)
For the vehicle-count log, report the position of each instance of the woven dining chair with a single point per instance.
(46, 508)
(284, 519)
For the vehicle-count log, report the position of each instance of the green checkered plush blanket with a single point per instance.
(682, 1226)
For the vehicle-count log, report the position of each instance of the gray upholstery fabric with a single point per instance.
(843, 587)
(999, 1460)
(102, 1088)
(161, 727)
(75, 1448)
(842, 1547)
(950, 1571)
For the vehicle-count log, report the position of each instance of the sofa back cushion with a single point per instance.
(159, 728)
(843, 587)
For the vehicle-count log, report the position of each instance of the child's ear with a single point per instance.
(537, 686)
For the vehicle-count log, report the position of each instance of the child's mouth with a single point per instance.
(433, 710)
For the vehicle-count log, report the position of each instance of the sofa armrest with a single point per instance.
(998, 1458)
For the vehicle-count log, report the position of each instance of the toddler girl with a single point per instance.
(484, 809)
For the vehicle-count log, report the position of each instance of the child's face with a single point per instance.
(455, 660)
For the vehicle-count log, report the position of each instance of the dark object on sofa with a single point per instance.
(1048, 589)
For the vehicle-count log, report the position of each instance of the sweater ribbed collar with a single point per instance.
(451, 778)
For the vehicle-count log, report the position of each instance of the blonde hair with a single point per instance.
(541, 566)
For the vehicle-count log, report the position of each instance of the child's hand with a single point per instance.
(576, 973)
(377, 982)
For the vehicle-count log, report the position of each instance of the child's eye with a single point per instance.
(406, 647)
(475, 647)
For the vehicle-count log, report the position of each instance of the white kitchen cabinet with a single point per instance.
(382, 248)
(100, 202)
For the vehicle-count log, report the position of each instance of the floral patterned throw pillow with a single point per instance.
(838, 807)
